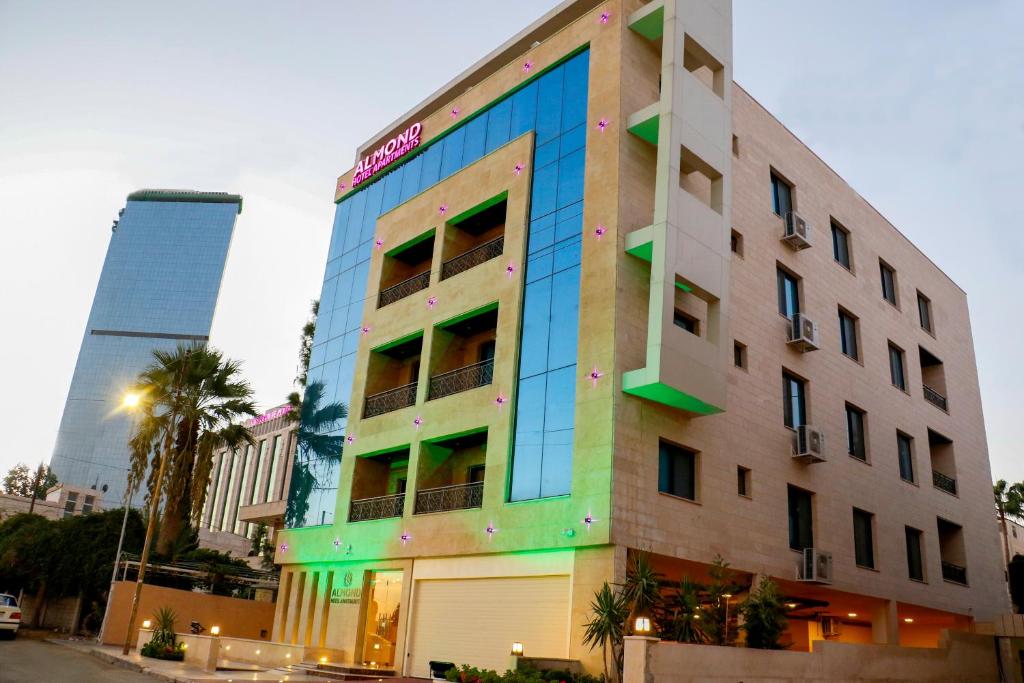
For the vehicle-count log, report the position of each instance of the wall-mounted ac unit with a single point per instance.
(809, 444)
(815, 566)
(797, 233)
(803, 333)
(831, 627)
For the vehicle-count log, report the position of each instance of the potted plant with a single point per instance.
(164, 643)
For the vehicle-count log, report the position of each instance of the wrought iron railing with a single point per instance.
(403, 289)
(381, 507)
(463, 379)
(941, 481)
(445, 498)
(934, 397)
(954, 572)
(473, 257)
(392, 399)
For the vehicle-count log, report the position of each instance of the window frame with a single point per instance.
(924, 313)
(783, 279)
(896, 353)
(883, 269)
(736, 242)
(844, 342)
(739, 353)
(776, 181)
(866, 525)
(794, 523)
(908, 533)
(858, 416)
(690, 324)
(744, 482)
(800, 397)
(902, 438)
(838, 229)
(675, 451)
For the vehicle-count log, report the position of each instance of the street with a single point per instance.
(27, 660)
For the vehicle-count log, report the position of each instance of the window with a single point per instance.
(69, 504)
(475, 473)
(863, 538)
(739, 354)
(736, 243)
(855, 442)
(888, 282)
(848, 335)
(924, 312)
(789, 293)
(905, 453)
(735, 146)
(915, 559)
(897, 371)
(782, 196)
(677, 471)
(801, 531)
(794, 404)
(87, 505)
(743, 481)
(686, 321)
(841, 245)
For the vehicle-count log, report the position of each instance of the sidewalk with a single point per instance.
(178, 672)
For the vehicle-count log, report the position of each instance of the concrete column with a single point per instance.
(636, 659)
(885, 624)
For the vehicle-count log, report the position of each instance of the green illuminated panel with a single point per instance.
(466, 316)
(483, 206)
(397, 342)
(635, 382)
(411, 243)
(649, 20)
(647, 128)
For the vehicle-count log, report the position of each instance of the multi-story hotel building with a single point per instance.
(591, 298)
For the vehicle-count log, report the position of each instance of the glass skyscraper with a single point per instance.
(158, 288)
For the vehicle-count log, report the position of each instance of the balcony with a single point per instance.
(403, 289)
(463, 379)
(448, 498)
(472, 258)
(935, 398)
(380, 507)
(390, 400)
(954, 572)
(944, 483)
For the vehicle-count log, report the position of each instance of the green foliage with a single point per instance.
(175, 653)
(606, 628)
(21, 481)
(642, 588)
(261, 546)
(683, 620)
(163, 644)
(469, 674)
(716, 613)
(306, 342)
(764, 616)
(317, 449)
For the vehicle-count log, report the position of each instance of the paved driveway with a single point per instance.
(36, 661)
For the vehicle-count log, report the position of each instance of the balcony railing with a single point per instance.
(466, 378)
(381, 507)
(392, 399)
(445, 498)
(473, 257)
(935, 398)
(403, 289)
(954, 572)
(941, 481)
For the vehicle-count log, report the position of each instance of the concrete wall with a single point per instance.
(58, 613)
(238, 618)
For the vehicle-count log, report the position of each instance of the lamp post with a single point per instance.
(154, 508)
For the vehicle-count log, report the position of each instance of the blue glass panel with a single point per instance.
(529, 440)
(338, 232)
(570, 178)
(556, 467)
(392, 189)
(524, 110)
(566, 255)
(373, 200)
(498, 121)
(545, 183)
(451, 158)
(574, 92)
(571, 226)
(565, 315)
(411, 179)
(549, 106)
(355, 221)
(333, 267)
(540, 265)
(333, 350)
(536, 327)
(348, 260)
(546, 154)
(476, 132)
(431, 171)
(542, 233)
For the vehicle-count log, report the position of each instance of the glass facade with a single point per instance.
(553, 105)
(158, 288)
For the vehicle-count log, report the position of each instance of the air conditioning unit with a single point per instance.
(809, 445)
(797, 232)
(815, 566)
(803, 333)
(831, 627)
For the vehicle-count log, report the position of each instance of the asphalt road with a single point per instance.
(35, 661)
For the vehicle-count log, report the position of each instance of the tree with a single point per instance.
(261, 546)
(763, 616)
(683, 622)
(610, 611)
(318, 449)
(21, 481)
(190, 400)
(1009, 500)
(306, 342)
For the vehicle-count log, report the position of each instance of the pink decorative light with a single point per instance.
(588, 520)
(350, 439)
(337, 544)
(443, 209)
(595, 375)
(378, 243)
(510, 269)
(500, 401)
(365, 330)
(527, 66)
(431, 302)
(605, 16)
(599, 231)
(602, 124)
(518, 169)
(341, 185)
(406, 537)
(454, 112)
(283, 547)
(418, 422)
(490, 530)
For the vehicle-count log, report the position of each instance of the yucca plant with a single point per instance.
(609, 611)
(163, 627)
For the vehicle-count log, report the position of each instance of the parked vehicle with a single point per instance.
(10, 615)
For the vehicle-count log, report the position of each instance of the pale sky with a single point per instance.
(917, 103)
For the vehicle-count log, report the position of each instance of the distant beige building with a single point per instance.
(63, 500)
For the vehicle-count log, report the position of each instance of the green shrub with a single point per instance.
(470, 674)
(164, 643)
(175, 653)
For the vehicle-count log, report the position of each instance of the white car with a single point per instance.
(10, 615)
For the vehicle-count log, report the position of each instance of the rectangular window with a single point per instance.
(915, 556)
(855, 441)
(736, 243)
(848, 335)
(743, 481)
(801, 530)
(789, 293)
(87, 505)
(897, 371)
(69, 504)
(686, 321)
(794, 403)
(782, 196)
(888, 282)
(863, 538)
(905, 451)
(739, 354)
(677, 471)
(841, 245)
(924, 312)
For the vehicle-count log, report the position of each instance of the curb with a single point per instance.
(118, 662)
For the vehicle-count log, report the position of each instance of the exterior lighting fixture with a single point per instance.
(599, 231)
(418, 422)
(568, 533)
(595, 375)
(287, 655)
(215, 630)
(527, 66)
(510, 268)
(454, 112)
(365, 329)
(283, 547)
(640, 622)
(852, 615)
(257, 651)
(147, 623)
(431, 302)
(588, 520)
(602, 124)
(337, 543)
(376, 646)
(605, 16)
(184, 646)
(341, 185)
(500, 401)
(517, 649)
(696, 617)
(378, 243)
(227, 647)
(131, 400)
(443, 209)
(323, 660)
(518, 169)
(490, 530)
(908, 620)
(350, 439)
(406, 537)
(791, 605)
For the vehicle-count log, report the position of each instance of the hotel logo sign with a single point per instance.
(388, 153)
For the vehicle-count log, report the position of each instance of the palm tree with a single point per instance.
(1009, 500)
(606, 628)
(318, 448)
(684, 624)
(192, 401)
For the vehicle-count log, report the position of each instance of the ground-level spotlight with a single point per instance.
(215, 630)
(517, 649)
(147, 623)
